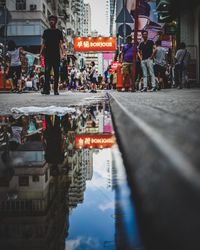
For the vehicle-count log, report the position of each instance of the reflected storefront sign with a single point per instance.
(95, 44)
(94, 141)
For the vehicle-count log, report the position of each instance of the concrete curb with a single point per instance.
(166, 193)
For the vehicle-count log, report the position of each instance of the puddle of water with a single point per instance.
(63, 183)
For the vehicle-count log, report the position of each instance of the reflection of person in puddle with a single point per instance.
(53, 141)
(143, 14)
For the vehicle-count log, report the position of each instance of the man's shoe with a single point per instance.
(56, 93)
(154, 89)
(45, 92)
(143, 90)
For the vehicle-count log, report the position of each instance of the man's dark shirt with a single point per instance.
(52, 38)
(147, 49)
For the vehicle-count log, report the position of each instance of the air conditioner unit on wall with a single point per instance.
(33, 7)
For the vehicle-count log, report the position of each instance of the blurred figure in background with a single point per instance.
(182, 60)
(160, 64)
(14, 69)
(93, 78)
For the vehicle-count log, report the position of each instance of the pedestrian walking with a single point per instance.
(93, 78)
(146, 56)
(182, 60)
(127, 64)
(14, 69)
(50, 48)
(73, 76)
(160, 64)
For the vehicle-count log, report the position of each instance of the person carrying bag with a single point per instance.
(182, 60)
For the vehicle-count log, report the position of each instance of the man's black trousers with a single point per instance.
(48, 66)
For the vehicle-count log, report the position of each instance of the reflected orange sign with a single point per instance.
(94, 140)
(95, 44)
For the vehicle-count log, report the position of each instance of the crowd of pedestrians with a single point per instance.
(154, 68)
(153, 71)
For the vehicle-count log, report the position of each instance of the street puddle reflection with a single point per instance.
(63, 183)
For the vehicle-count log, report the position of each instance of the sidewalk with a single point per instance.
(158, 134)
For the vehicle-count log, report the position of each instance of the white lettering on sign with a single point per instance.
(102, 140)
(80, 44)
(81, 142)
(87, 140)
(86, 44)
(101, 44)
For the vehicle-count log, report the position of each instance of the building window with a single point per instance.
(20, 4)
(23, 181)
(44, 8)
(35, 178)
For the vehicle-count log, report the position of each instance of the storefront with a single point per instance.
(188, 16)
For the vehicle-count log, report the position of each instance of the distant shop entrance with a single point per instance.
(101, 50)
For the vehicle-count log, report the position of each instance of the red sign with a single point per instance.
(94, 140)
(95, 44)
(42, 62)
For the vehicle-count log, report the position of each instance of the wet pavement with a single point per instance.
(158, 135)
(63, 184)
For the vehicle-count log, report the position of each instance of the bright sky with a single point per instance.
(99, 20)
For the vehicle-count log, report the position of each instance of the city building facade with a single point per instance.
(111, 5)
(29, 18)
(87, 20)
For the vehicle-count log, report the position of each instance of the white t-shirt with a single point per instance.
(93, 72)
(184, 55)
(160, 57)
(14, 57)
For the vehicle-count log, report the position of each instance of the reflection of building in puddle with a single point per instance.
(32, 211)
(80, 171)
(33, 200)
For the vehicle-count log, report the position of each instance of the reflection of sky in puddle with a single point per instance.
(91, 224)
(107, 216)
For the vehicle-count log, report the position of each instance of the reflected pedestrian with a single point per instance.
(51, 47)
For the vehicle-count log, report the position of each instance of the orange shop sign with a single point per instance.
(95, 44)
(94, 140)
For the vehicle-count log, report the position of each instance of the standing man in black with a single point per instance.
(51, 47)
(145, 55)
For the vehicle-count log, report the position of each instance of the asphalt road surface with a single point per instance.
(158, 134)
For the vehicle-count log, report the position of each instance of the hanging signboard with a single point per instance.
(95, 44)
